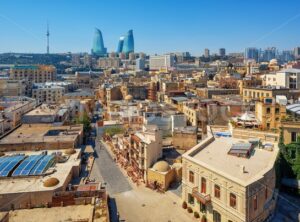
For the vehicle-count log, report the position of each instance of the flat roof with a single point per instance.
(214, 156)
(35, 133)
(44, 109)
(34, 184)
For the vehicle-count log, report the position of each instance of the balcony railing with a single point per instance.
(203, 198)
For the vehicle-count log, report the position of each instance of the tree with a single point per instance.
(85, 120)
(111, 131)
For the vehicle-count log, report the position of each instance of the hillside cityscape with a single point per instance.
(122, 134)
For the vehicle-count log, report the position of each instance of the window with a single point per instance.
(293, 136)
(232, 200)
(203, 185)
(277, 110)
(216, 216)
(217, 191)
(202, 208)
(191, 176)
(190, 199)
(255, 202)
(266, 192)
(268, 110)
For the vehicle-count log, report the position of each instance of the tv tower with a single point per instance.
(48, 34)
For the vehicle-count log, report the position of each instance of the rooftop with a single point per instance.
(34, 184)
(212, 153)
(42, 133)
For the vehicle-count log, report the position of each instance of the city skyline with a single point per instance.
(159, 29)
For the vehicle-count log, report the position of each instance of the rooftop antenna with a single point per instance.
(48, 34)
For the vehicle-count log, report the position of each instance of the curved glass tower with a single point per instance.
(98, 45)
(120, 44)
(128, 44)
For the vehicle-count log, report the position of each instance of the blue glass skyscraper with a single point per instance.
(120, 44)
(98, 45)
(251, 53)
(128, 44)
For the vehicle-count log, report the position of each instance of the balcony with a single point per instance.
(203, 198)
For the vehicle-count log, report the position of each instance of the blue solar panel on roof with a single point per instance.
(42, 165)
(25, 167)
(10, 164)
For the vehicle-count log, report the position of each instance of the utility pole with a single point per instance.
(48, 35)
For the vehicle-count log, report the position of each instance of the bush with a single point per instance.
(190, 210)
(184, 205)
(196, 215)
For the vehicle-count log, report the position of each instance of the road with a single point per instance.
(106, 171)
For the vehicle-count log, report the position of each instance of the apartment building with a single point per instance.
(33, 74)
(229, 179)
(258, 93)
(12, 111)
(9, 87)
(47, 94)
(269, 113)
(287, 78)
(139, 151)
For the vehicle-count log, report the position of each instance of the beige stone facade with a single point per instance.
(222, 187)
(269, 113)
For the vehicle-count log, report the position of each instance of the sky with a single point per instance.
(159, 26)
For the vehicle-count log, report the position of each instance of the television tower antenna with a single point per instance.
(48, 35)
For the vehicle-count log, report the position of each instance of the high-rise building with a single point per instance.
(98, 44)
(128, 44)
(268, 54)
(287, 55)
(222, 52)
(206, 53)
(120, 44)
(251, 53)
(297, 52)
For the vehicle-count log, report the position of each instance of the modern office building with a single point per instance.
(120, 44)
(251, 53)
(98, 44)
(287, 56)
(222, 52)
(206, 53)
(268, 54)
(158, 62)
(297, 52)
(128, 43)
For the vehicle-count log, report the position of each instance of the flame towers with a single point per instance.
(126, 43)
(98, 45)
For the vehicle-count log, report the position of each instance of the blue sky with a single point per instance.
(159, 25)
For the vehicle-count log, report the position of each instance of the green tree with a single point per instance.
(85, 120)
(111, 131)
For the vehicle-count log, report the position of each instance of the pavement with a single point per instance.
(106, 171)
(132, 203)
(288, 208)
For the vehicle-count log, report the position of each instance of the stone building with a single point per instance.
(227, 179)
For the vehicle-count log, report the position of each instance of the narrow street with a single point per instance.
(106, 171)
